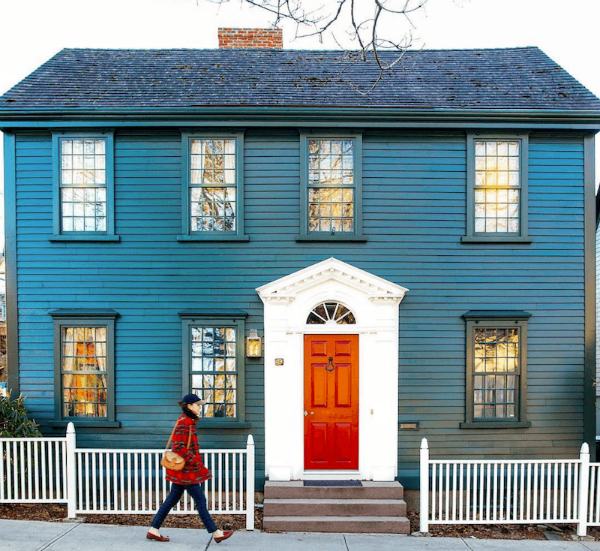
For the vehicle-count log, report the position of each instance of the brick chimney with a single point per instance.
(251, 38)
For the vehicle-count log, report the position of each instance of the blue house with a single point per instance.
(339, 274)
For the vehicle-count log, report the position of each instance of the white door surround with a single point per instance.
(288, 302)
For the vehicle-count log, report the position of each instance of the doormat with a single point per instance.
(332, 483)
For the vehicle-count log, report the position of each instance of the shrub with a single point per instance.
(14, 422)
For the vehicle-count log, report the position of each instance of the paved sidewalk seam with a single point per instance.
(62, 535)
(345, 543)
(465, 542)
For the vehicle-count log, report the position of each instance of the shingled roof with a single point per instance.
(503, 79)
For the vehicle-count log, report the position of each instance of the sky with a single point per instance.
(32, 31)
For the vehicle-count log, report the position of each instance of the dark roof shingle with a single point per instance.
(513, 79)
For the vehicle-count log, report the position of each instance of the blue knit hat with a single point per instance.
(192, 399)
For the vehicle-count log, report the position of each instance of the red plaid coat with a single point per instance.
(194, 471)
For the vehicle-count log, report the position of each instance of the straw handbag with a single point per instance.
(171, 460)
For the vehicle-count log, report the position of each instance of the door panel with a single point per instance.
(331, 402)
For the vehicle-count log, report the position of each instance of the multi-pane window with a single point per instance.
(214, 369)
(213, 185)
(84, 381)
(331, 313)
(83, 185)
(496, 367)
(497, 186)
(84, 365)
(496, 372)
(331, 185)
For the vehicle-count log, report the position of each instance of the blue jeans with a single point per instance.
(173, 498)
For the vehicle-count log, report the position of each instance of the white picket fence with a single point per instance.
(117, 481)
(509, 491)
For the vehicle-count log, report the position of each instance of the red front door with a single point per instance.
(331, 402)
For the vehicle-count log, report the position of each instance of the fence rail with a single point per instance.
(109, 481)
(509, 491)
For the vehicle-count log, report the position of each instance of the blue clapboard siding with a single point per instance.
(414, 216)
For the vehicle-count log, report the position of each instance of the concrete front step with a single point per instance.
(334, 507)
(368, 490)
(363, 525)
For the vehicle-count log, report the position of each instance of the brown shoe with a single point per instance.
(150, 536)
(226, 534)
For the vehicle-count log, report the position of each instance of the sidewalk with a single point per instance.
(19, 535)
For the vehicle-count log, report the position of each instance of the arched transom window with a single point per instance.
(330, 313)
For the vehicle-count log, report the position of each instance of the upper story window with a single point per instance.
(497, 188)
(332, 190)
(213, 187)
(496, 368)
(84, 187)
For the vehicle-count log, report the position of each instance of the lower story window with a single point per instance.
(214, 369)
(83, 371)
(496, 366)
(84, 364)
(214, 363)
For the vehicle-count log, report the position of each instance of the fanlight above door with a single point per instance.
(331, 313)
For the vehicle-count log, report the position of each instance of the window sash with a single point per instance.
(497, 177)
(86, 376)
(477, 373)
(214, 182)
(216, 363)
(331, 203)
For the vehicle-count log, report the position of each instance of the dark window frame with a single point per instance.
(357, 234)
(522, 236)
(85, 318)
(57, 233)
(187, 234)
(500, 320)
(237, 320)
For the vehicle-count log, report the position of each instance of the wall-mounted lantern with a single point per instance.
(253, 345)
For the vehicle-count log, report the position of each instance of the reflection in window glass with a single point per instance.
(331, 313)
(83, 371)
(331, 185)
(214, 369)
(213, 184)
(497, 186)
(83, 185)
(496, 372)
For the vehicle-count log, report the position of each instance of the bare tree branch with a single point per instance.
(370, 25)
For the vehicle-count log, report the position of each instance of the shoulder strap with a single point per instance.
(172, 433)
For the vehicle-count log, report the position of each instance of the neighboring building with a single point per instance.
(419, 261)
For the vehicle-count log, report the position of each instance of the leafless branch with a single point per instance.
(369, 25)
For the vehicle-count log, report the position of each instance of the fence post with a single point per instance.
(584, 489)
(424, 487)
(71, 474)
(250, 483)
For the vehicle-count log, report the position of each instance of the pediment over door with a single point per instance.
(287, 288)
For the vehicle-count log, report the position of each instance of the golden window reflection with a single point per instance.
(497, 186)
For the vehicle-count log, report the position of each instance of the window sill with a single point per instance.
(87, 424)
(83, 238)
(212, 237)
(223, 424)
(335, 238)
(496, 239)
(497, 425)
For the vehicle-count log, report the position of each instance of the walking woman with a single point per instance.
(185, 444)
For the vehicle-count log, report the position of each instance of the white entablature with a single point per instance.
(374, 287)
